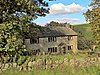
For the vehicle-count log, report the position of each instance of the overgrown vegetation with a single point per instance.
(15, 18)
(93, 16)
(68, 64)
(85, 36)
(91, 70)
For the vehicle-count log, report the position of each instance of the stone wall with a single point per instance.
(50, 63)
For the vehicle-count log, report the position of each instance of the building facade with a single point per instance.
(53, 40)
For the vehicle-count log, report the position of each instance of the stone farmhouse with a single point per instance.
(53, 40)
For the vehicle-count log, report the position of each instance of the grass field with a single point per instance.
(90, 70)
(85, 29)
(68, 55)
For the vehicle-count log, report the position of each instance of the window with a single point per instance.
(70, 37)
(69, 47)
(52, 39)
(34, 40)
(37, 51)
(52, 50)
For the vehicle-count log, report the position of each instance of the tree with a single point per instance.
(32, 30)
(85, 41)
(15, 17)
(53, 23)
(93, 16)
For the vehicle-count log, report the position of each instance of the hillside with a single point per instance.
(85, 29)
(85, 36)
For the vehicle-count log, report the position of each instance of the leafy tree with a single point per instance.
(54, 24)
(32, 30)
(15, 17)
(85, 41)
(93, 16)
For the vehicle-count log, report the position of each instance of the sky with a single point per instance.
(70, 11)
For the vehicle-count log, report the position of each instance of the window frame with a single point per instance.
(52, 39)
(52, 50)
(34, 41)
(70, 47)
(70, 37)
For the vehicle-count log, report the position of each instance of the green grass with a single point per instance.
(60, 70)
(90, 70)
(82, 25)
(85, 29)
(62, 56)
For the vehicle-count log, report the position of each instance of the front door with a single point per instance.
(64, 49)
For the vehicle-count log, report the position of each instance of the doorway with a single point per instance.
(64, 50)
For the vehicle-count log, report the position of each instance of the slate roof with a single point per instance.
(65, 30)
(56, 31)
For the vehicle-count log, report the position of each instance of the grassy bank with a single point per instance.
(90, 70)
(80, 66)
(85, 29)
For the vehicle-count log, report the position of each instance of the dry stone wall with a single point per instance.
(49, 64)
